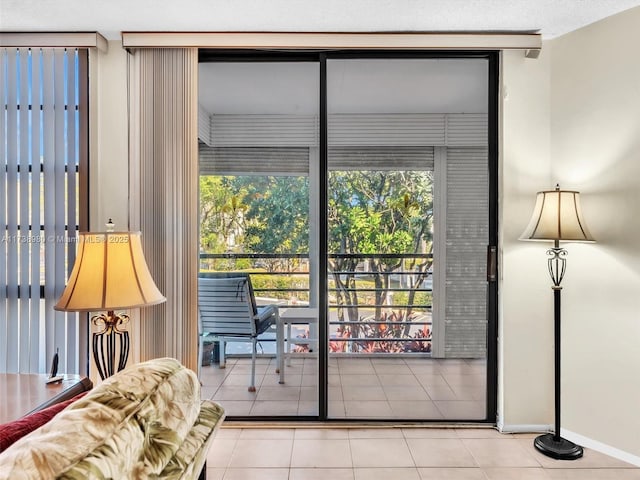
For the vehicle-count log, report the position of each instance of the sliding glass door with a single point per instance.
(358, 194)
(258, 218)
(408, 232)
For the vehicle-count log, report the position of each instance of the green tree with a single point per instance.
(277, 217)
(373, 213)
(378, 212)
(222, 214)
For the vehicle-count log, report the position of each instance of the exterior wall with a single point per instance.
(595, 147)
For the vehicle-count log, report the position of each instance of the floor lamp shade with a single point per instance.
(557, 217)
(110, 273)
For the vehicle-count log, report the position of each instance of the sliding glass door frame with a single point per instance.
(321, 57)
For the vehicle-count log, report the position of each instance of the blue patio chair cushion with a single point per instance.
(266, 317)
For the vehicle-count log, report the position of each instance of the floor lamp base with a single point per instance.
(560, 449)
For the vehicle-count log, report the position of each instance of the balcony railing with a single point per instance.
(378, 303)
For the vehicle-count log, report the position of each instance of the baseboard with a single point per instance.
(575, 438)
(600, 447)
(523, 428)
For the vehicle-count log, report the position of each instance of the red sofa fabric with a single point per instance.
(13, 431)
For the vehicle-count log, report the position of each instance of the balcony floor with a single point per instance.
(359, 388)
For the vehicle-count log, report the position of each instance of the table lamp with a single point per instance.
(557, 217)
(109, 274)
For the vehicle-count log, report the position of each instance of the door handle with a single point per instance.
(492, 263)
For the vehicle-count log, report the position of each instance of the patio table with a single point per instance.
(294, 316)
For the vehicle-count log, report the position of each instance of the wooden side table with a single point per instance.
(25, 393)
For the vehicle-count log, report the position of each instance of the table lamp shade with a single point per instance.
(557, 216)
(110, 273)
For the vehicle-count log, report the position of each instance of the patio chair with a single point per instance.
(227, 312)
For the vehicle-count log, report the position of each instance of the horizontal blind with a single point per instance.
(204, 126)
(466, 129)
(38, 191)
(380, 158)
(264, 130)
(398, 129)
(362, 129)
(253, 160)
(295, 160)
(467, 236)
(244, 144)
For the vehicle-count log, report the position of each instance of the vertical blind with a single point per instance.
(163, 128)
(40, 130)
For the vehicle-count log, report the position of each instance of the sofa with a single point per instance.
(144, 422)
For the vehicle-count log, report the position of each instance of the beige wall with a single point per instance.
(109, 163)
(595, 148)
(109, 167)
(573, 117)
(525, 301)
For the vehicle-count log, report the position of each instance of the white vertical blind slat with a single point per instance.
(48, 180)
(4, 58)
(60, 277)
(36, 335)
(13, 314)
(72, 210)
(24, 245)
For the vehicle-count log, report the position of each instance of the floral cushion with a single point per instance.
(135, 425)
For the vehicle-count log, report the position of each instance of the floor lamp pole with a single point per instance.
(557, 364)
(552, 444)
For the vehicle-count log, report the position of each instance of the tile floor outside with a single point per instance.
(396, 454)
(358, 388)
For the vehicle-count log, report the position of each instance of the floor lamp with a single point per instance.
(110, 273)
(557, 217)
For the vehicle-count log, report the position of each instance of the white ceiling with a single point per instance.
(110, 17)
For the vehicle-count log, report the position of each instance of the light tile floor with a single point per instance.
(396, 454)
(359, 388)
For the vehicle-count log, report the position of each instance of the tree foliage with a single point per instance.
(255, 214)
(369, 213)
(222, 214)
(377, 212)
(277, 214)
